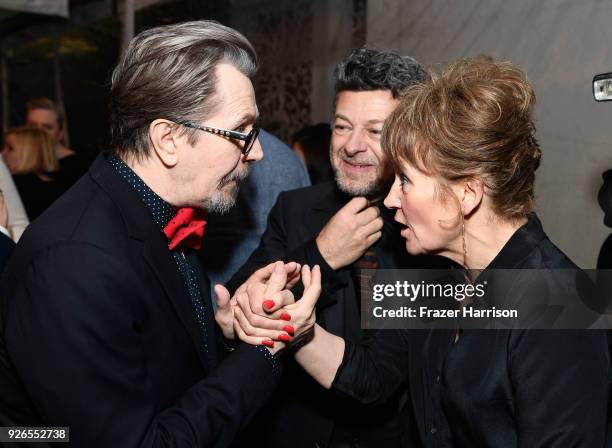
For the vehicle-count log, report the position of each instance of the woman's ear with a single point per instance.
(470, 195)
(164, 142)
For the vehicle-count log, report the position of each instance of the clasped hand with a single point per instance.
(263, 311)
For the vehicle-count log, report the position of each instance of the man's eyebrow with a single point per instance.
(373, 121)
(343, 117)
(247, 118)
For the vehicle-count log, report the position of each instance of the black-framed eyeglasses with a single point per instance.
(248, 139)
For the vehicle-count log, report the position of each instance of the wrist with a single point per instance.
(325, 255)
(301, 340)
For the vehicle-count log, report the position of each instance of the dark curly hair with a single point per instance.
(368, 69)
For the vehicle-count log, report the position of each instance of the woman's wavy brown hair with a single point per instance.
(473, 120)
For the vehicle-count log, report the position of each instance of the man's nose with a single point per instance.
(256, 152)
(356, 143)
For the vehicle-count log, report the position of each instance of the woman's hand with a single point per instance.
(277, 329)
(276, 279)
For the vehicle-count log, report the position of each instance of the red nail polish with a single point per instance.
(284, 337)
(268, 343)
(268, 304)
(289, 329)
(285, 316)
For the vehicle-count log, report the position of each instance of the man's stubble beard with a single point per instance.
(375, 189)
(222, 199)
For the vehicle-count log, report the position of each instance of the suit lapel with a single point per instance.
(155, 252)
(204, 282)
(167, 272)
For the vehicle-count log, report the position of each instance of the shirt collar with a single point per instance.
(161, 211)
(520, 245)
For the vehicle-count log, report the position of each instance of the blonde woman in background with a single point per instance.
(29, 155)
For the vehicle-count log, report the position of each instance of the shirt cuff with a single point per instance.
(342, 380)
(332, 280)
(272, 360)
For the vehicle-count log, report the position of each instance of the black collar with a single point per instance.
(520, 245)
(161, 211)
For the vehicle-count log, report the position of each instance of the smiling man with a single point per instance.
(106, 320)
(342, 227)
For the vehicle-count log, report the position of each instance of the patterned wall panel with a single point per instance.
(360, 19)
(282, 34)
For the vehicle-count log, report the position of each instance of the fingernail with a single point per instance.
(268, 304)
(289, 329)
(285, 316)
(268, 343)
(284, 337)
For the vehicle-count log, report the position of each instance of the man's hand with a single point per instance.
(268, 288)
(275, 331)
(224, 316)
(277, 276)
(349, 233)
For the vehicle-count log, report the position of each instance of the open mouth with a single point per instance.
(406, 232)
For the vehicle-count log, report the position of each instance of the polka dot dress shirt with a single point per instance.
(162, 213)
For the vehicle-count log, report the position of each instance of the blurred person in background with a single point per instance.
(17, 218)
(6, 243)
(44, 114)
(604, 198)
(29, 155)
(311, 144)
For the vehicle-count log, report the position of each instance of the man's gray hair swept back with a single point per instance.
(169, 72)
(368, 69)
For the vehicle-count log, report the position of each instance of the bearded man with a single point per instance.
(342, 227)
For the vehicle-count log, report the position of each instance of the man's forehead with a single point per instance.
(235, 93)
(374, 105)
(241, 110)
(38, 114)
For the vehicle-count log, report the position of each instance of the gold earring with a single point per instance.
(464, 242)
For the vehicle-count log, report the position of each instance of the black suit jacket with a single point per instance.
(302, 413)
(6, 249)
(98, 331)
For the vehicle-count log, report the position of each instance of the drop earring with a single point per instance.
(464, 242)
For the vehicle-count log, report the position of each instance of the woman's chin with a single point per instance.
(412, 249)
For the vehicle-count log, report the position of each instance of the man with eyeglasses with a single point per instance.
(106, 320)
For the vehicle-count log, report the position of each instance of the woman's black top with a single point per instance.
(493, 388)
(72, 167)
(36, 194)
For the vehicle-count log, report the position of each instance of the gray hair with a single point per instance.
(368, 69)
(169, 72)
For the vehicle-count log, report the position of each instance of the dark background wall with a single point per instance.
(292, 39)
